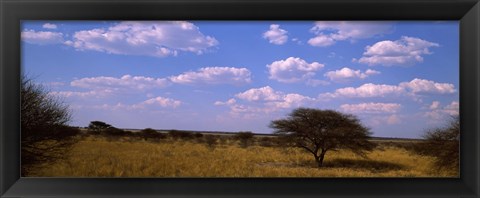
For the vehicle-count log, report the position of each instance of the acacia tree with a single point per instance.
(45, 136)
(444, 144)
(320, 131)
(97, 127)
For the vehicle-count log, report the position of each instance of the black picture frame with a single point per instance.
(467, 12)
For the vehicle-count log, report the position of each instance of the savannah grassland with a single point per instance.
(97, 156)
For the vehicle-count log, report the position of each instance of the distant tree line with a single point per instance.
(243, 138)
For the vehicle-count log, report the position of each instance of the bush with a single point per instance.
(112, 131)
(267, 141)
(444, 144)
(45, 136)
(175, 134)
(198, 135)
(245, 138)
(151, 134)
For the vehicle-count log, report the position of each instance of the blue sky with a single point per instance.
(399, 78)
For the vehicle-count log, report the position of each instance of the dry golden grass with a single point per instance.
(99, 157)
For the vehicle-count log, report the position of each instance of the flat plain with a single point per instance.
(98, 156)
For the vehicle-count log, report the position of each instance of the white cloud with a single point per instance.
(263, 93)
(404, 52)
(162, 102)
(215, 75)
(230, 101)
(292, 70)
(452, 109)
(413, 88)
(439, 113)
(124, 83)
(365, 91)
(346, 74)
(289, 101)
(422, 86)
(434, 105)
(147, 104)
(49, 26)
(329, 32)
(276, 35)
(42, 37)
(371, 108)
(153, 38)
(264, 100)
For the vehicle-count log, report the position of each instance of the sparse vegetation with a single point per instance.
(96, 156)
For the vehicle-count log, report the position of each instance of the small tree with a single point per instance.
(245, 138)
(45, 137)
(444, 144)
(98, 127)
(319, 131)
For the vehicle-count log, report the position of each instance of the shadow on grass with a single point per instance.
(375, 166)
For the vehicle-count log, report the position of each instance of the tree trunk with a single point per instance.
(319, 158)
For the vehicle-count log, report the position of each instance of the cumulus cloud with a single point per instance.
(153, 38)
(42, 37)
(49, 26)
(292, 70)
(276, 35)
(126, 82)
(371, 108)
(439, 113)
(404, 52)
(453, 108)
(147, 104)
(230, 101)
(161, 101)
(365, 91)
(422, 86)
(329, 32)
(290, 100)
(263, 93)
(264, 100)
(346, 74)
(413, 88)
(214, 75)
